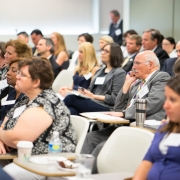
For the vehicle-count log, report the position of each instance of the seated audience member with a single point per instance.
(146, 68)
(23, 36)
(102, 42)
(2, 60)
(85, 70)
(104, 86)
(169, 44)
(14, 49)
(45, 48)
(43, 112)
(36, 35)
(14, 94)
(85, 37)
(162, 160)
(151, 40)
(133, 45)
(126, 35)
(169, 63)
(60, 51)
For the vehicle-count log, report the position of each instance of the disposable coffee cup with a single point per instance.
(24, 150)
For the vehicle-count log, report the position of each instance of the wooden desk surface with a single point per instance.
(8, 155)
(100, 117)
(46, 170)
(113, 176)
(146, 128)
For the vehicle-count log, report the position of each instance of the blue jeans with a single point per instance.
(78, 105)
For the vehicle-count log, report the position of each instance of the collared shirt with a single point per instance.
(154, 49)
(49, 56)
(118, 22)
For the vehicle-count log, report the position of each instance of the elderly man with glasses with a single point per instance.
(144, 82)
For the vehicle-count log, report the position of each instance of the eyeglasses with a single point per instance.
(22, 75)
(105, 51)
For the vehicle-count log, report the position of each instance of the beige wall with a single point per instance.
(159, 14)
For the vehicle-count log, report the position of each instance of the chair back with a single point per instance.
(64, 78)
(124, 150)
(81, 126)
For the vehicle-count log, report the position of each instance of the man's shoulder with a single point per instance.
(170, 60)
(160, 75)
(159, 51)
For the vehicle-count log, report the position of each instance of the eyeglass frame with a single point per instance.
(105, 51)
(19, 73)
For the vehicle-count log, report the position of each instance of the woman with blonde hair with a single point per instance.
(61, 54)
(102, 42)
(85, 69)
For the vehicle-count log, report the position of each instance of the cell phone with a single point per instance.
(81, 88)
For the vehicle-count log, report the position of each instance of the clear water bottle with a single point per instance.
(55, 145)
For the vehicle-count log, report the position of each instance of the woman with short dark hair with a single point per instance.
(41, 112)
(105, 85)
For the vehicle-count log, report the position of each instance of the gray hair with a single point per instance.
(150, 56)
(49, 42)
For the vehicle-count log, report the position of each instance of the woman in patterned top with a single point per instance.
(37, 115)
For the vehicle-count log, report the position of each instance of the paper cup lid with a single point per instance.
(24, 144)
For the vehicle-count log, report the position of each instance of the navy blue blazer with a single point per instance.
(162, 55)
(168, 66)
(112, 29)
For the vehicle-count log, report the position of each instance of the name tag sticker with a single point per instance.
(118, 32)
(8, 102)
(88, 76)
(99, 80)
(143, 91)
(3, 84)
(173, 140)
(18, 111)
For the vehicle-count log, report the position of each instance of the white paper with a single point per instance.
(3, 84)
(99, 80)
(18, 111)
(172, 140)
(143, 91)
(79, 94)
(88, 76)
(152, 122)
(60, 96)
(94, 115)
(8, 102)
(118, 32)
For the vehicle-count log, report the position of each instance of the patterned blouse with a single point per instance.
(61, 121)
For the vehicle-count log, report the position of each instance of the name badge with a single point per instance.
(118, 32)
(99, 80)
(8, 102)
(3, 84)
(143, 91)
(18, 111)
(88, 76)
(173, 140)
